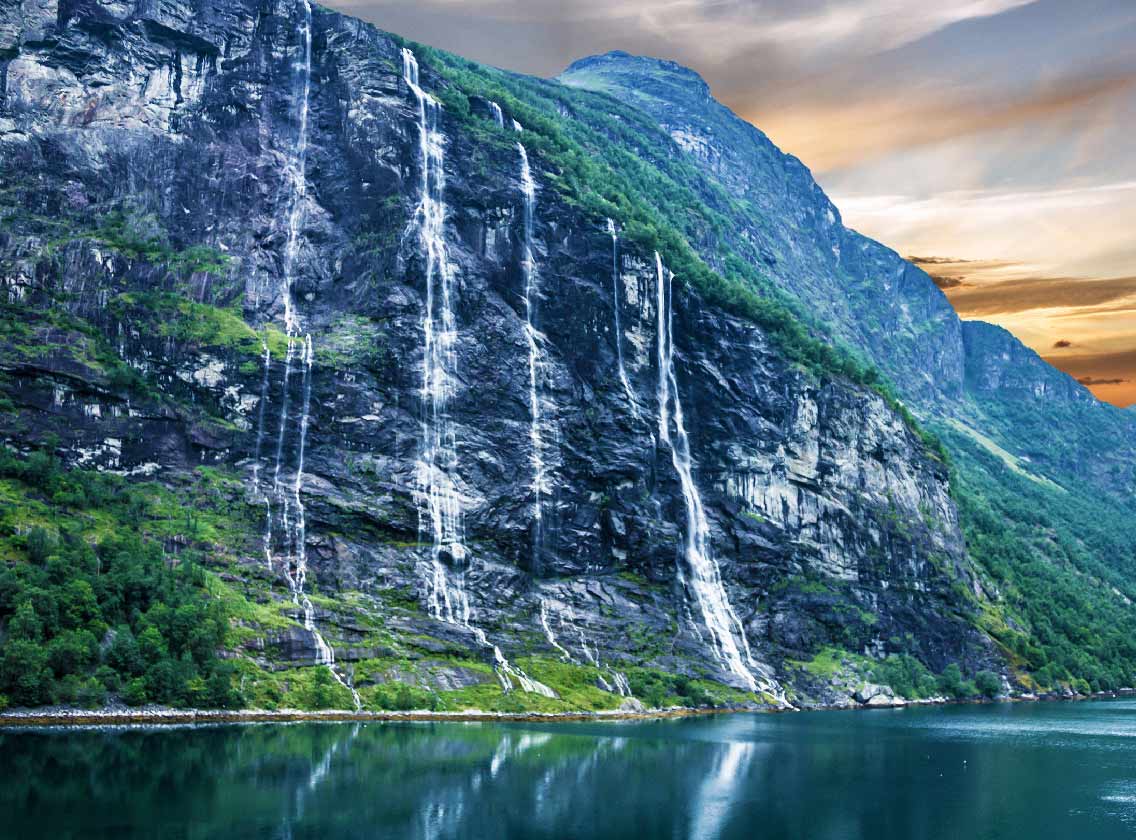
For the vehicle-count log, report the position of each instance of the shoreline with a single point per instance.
(159, 716)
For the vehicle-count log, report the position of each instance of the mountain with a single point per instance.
(336, 369)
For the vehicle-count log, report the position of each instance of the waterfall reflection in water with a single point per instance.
(1007, 771)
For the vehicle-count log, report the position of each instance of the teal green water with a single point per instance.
(1056, 770)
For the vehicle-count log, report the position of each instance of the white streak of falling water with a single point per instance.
(726, 631)
(260, 412)
(619, 684)
(548, 634)
(618, 326)
(517, 126)
(528, 267)
(439, 503)
(498, 115)
(292, 515)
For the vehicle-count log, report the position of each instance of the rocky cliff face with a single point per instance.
(435, 406)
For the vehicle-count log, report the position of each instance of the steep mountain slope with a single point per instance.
(383, 352)
(982, 391)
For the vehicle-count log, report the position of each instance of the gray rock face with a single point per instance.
(829, 521)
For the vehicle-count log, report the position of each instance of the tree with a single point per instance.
(135, 692)
(24, 673)
(989, 684)
(25, 624)
(952, 684)
(39, 545)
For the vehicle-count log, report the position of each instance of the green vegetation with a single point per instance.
(83, 618)
(170, 315)
(1061, 571)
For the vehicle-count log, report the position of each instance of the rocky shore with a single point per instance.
(162, 716)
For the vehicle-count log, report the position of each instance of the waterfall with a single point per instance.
(289, 506)
(439, 502)
(498, 115)
(619, 684)
(517, 126)
(548, 634)
(506, 673)
(528, 268)
(726, 632)
(615, 283)
(260, 413)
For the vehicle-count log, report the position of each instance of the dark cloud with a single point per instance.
(944, 281)
(1062, 342)
(1089, 381)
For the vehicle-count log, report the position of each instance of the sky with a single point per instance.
(993, 141)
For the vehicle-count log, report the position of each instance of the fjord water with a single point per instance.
(1001, 771)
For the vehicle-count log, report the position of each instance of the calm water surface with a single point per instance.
(1057, 770)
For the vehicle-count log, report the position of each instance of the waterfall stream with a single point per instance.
(536, 360)
(615, 283)
(618, 684)
(285, 517)
(705, 581)
(439, 501)
(498, 114)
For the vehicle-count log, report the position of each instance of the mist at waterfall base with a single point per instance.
(1001, 771)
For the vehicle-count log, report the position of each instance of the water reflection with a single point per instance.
(1045, 770)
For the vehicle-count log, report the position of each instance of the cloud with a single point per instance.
(1062, 343)
(974, 300)
(714, 30)
(848, 129)
(1068, 230)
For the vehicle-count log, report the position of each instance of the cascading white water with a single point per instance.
(705, 580)
(260, 413)
(615, 283)
(619, 684)
(439, 502)
(517, 126)
(291, 514)
(548, 634)
(498, 114)
(528, 268)
(507, 672)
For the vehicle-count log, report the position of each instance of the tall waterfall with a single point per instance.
(285, 517)
(439, 502)
(536, 361)
(615, 283)
(705, 580)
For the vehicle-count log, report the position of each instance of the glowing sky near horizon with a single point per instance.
(992, 139)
